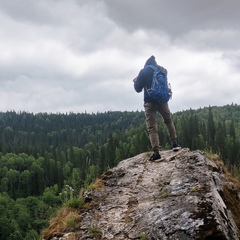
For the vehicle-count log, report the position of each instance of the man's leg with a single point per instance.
(166, 114)
(164, 110)
(150, 114)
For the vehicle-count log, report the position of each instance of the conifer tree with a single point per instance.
(211, 131)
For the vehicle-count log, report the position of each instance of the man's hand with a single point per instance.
(135, 79)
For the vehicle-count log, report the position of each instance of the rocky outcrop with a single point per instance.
(185, 196)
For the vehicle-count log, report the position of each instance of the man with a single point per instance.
(144, 80)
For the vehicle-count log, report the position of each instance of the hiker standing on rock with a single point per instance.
(156, 100)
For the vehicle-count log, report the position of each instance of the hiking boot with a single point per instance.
(175, 146)
(155, 157)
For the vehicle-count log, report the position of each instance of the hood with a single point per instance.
(151, 61)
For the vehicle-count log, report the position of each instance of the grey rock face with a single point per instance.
(179, 198)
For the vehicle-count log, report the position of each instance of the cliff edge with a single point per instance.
(185, 196)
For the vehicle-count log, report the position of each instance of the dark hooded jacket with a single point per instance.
(144, 78)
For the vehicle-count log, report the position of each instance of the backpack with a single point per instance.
(160, 90)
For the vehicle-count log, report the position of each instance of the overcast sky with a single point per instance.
(81, 55)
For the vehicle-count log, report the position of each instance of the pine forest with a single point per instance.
(47, 159)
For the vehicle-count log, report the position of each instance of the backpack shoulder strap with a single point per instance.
(158, 69)
(152, 67)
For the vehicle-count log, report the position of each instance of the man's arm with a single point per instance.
(138, 82)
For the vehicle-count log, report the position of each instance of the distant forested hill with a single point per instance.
(215, 128)
(45, 158)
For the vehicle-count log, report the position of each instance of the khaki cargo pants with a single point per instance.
(151, 110)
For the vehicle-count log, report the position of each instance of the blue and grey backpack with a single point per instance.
(160, 90)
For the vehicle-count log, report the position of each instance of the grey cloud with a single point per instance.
(233, 58)
(210, 40)
(34, 12)
(82, 55)
(175, 17)
(34, 72)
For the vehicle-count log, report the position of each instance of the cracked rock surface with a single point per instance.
(181, 197)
